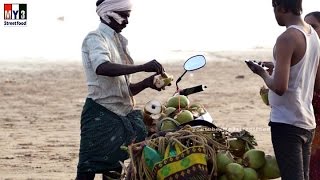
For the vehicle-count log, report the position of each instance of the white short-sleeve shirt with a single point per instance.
(100, 46)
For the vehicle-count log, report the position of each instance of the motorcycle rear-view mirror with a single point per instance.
(193, 63)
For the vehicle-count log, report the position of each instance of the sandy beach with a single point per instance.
(41, 103)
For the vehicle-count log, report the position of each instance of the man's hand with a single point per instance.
(269, 65)
(148, 82)
(256, 67)
(153, 66)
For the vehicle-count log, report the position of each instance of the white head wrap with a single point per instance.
(107, 7)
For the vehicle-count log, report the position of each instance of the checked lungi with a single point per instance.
(103, 133)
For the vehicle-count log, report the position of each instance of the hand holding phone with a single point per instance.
(253, 62)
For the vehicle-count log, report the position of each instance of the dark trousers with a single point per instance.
(292, 148)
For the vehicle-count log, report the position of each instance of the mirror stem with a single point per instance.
(179, 79)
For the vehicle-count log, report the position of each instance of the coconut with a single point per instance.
(237, 147)
(168, 124)
(238, 160)
(201, 111)
(234, 171)
(167, 81)
(147, 119)
(264, 95)
(195, 113)
(153, 107)
(265, 98)
(270, 169)
(152, 111)
(166, 75)
(174, 101)
(195, 106)
(223, 159)
(169, 111)
(250, 174)
(197, 110)
(254, 158)
(184, 116)
(162, 80)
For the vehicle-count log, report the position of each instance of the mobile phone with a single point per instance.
(255, 62)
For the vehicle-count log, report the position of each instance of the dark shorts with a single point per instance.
(103, 133)
(292, 148)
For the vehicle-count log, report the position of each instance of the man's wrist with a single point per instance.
(140, 68)
(145, 83)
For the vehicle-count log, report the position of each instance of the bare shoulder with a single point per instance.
(289, 36)
(286, 39)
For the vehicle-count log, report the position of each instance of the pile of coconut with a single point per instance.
(176, 111)
(254, 164)
(230, 155)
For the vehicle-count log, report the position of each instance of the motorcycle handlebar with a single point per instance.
(192, 90)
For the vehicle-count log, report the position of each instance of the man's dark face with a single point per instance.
(277, 13)
(115, 25)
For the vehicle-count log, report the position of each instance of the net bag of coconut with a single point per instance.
(175, 155)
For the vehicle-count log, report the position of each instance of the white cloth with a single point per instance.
(106, 9)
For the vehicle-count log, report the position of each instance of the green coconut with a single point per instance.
(270, 169)
(250, 174)
(265, 98)
(174, 101)
(237, 147)
(254, 158)
(169, 110)
(197, 109)
(238, 160)
(201, 111)
(264, 95)
(168, 124)
(223, 159)
(234, 171)
(184, 116)
(167, 81)
(195, 106)
(160, 81)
